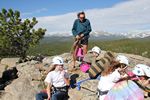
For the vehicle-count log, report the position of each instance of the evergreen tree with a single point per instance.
(17, 35)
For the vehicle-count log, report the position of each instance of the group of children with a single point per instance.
(116, 82)
(116, 78)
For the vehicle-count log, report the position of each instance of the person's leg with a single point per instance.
(41, 96)
(85, 49)
(54, 96)
(74, 56)
(84, 43)
(59, 96)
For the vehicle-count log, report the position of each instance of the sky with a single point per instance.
(39, 8)
(105, 15)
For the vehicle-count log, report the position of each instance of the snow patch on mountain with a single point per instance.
(133, 34)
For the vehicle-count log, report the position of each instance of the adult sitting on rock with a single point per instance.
(57, 83)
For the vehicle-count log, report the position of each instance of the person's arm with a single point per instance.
(49, 86)
(74, 31)
(88, 30)
(48, 80)
(121, 74)
(116, 76)
(146, 82)
(67, 81)
(66, 78)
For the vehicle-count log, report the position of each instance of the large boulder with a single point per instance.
(47, 60)
(27, 70)
(136, 59)
(28, 83)
(21, 89)
(2, 69)
(88, 88)
(11, 62)
(66, 57)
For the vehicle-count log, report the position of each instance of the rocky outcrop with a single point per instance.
(136, 59)
(32, 73)
(28, 83)
(88, 89)
(2, 69)
(11, 62)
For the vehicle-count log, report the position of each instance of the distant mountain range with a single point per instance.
(101, 35)
(137, 34)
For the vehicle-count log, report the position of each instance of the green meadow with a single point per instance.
(49, 47)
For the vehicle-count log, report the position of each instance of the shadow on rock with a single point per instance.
(7, 77)
(73, 80)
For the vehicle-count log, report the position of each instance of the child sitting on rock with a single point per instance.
(97, 62)
(94, 63)
(57, 83)
(142, 77)
(90, 58)
(111, 75)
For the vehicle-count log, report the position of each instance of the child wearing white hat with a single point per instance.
(91, 56)
(142, 73)
(110, 76)
(141, 70)
(57, 79)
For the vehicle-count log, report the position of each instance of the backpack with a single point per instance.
(99, 65)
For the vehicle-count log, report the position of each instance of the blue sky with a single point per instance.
(38, 8)
(113, 16)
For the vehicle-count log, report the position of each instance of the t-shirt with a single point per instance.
(56, 78)
(107, 82)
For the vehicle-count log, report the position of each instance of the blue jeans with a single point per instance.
(56, 96)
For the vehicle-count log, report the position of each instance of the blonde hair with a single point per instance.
(52, 68)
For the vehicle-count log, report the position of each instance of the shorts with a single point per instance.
(84, 40)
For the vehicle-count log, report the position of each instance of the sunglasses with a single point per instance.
(81, 17)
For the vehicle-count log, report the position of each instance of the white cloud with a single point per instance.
(41, 10)
(124, 17)
(27, 13)
(34, 12)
